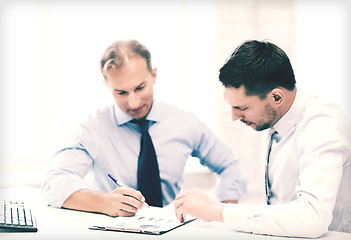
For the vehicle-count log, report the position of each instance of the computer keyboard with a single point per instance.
(16, 216)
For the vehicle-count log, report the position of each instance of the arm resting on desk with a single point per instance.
(121, 202)
(277, 220)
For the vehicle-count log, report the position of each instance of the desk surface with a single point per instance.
(56, 223)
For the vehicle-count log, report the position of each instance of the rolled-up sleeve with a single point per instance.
(66, 175)
(69, 166)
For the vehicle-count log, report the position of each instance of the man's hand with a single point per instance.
(199, 205)
(122, 201)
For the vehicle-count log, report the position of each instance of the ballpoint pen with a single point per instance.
(120, 185)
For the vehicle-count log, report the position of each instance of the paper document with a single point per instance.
(153, 220)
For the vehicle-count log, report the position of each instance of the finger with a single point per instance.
(131, 196)
(130, 192)
(126, 210)
(180, 214)
(179, 209)
(179, 202)
(183, 218)
(139, 201)
(181, 195)
(130, 203)
(122, 213)
(121, 209)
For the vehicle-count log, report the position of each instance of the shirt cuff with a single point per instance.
(235, 216)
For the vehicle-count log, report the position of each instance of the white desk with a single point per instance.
(69, 224)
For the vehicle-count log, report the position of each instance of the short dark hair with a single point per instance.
(118, 52)
(258, 66)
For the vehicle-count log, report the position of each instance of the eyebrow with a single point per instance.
(140, 85)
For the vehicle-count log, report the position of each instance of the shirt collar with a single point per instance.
(122, 118)
(293, 116)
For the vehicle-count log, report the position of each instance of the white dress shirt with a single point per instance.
(309, 173)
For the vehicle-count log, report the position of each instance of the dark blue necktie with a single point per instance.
(269, 193)
(148, 178)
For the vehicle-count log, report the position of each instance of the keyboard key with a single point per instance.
(21, 216)
(15, 218)
(2, 214)
(2, 219)
(27, 214)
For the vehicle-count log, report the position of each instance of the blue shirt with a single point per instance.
(107, 142)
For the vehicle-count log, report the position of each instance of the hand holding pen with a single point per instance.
(120, 185)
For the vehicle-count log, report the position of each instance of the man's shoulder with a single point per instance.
(170, 110)
(103, 110)
(101, 114)
(324, 116)
(318, 107)
(184, 120)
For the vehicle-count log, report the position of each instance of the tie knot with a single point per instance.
(143, 124)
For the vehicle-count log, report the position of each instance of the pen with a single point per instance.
(115, 180)
(120, 185)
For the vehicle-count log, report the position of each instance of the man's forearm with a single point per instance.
(86, 200)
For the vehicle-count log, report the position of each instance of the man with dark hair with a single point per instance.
(141, 142)
(308, 154)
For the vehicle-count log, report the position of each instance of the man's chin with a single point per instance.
(137, 116)
(250, 124)
(141, 113)
(261, 128)
(254, 126)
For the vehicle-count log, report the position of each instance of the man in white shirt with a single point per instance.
(308, 158)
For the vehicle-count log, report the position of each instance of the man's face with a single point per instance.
(132, 87)
(251, 110)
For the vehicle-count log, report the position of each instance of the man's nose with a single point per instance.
(133, 101)
(237, 115)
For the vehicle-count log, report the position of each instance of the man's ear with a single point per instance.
(277, 95)
(154, 74)
(276, 98)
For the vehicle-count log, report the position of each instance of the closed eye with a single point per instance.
(121, 92)
(240, 108)
(140, 87)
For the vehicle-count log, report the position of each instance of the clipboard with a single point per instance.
(153, 220)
